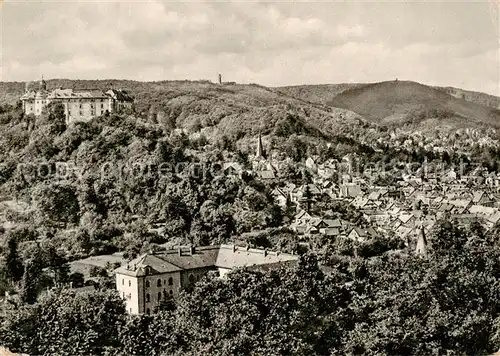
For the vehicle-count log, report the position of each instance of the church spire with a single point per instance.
(421, 244)
(260, 149)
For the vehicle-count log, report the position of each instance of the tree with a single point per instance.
(56, 203)
(32, 278)
(66, 323)
(76, 279)
(14, 266)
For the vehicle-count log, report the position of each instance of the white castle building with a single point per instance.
(79, 104)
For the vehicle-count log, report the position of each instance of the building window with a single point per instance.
(123, 295)
(130, 283)
(102, 106)
(170, 281)
(148, 311)
(123, 282)
(130, 310)
(158, 284)
(147, 298)
(171, 292)
(147, 284)
(191, 278)
(164, 294)
(159, 296)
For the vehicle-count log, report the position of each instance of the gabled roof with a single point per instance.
(302, 215)
(445, 207)
(405, 218)
(477, 196)
(266, 174)
(368, 232)
(138, 266)
(315, 221)
(332, 222)
(120, 95)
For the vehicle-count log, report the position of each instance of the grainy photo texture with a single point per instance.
(249, 178)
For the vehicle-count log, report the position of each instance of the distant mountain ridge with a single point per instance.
(406, 102)
(473, 96)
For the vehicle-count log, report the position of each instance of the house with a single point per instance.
(303, 216)
(331, 227)
(492, 219)
(349, 190)
(280, 197)
(232, 169)
(266, 174)
(359, 202)
(310, 164)
(480, 197)
(120, 99)
(148, 280)
(461, 206)
(362, 234)
(405, 220)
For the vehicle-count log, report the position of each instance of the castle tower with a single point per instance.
(43, 84)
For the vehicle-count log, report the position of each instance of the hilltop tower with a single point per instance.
(220, 78)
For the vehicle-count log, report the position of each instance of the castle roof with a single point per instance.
(60, 93)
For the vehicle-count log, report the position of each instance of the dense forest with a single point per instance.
(391, 303)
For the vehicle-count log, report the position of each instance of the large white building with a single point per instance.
(79, 104)
(152, 278)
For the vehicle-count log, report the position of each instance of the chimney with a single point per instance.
(179, 251)
(220, 78)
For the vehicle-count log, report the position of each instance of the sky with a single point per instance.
(274, 44)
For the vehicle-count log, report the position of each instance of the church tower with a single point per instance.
(421, 249)
(260, 149)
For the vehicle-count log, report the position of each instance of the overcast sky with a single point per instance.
(279, 43)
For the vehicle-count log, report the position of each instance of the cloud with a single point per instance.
(273, 44)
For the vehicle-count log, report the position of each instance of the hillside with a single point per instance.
(232, 110)
(473, 96)
(404, 102)
(319, 94)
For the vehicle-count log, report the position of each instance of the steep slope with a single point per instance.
(404, 102)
